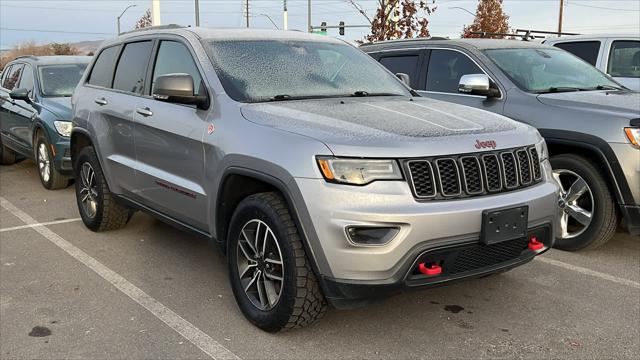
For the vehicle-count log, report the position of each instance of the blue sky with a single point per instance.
(78, 20)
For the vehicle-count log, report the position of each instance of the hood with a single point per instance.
(59, 106)
(623, 103)
(392, 126)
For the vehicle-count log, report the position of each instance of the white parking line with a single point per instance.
(196, 336)
(38, 224)
(590, 272)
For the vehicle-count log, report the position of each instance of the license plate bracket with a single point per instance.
(504, 224)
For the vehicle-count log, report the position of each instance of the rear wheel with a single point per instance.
(7, 156)
(49, 177)
(270, 275)
(98, 209)
(589, 218)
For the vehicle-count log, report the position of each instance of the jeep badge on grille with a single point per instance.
(485, 144)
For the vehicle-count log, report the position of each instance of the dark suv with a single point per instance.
(35, 116)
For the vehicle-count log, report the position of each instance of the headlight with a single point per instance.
(358, 171)
(633, 134)
(543, 152)
(63, 127)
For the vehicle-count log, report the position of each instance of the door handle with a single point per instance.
(144, 112)
(101, 101)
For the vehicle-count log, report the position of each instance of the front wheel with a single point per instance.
(98, 209)
(49, 177)
(270, 275)
(589, 218)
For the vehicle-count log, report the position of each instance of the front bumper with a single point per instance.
(424, 227)
(62, 160)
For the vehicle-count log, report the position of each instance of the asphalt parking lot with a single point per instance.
(150, 291)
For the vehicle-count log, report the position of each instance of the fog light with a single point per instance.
(370, 235)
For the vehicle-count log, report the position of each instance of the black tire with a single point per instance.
(55, 180)
(604, 219)
(109, 215)
(7, 156)
(301, 302)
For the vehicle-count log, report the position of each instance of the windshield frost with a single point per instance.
(548, 70)
(263, 70)
(60, 80)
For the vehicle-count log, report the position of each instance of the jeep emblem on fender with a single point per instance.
(485, 144)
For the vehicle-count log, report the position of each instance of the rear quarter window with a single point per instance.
(102, 71)
(585, 50)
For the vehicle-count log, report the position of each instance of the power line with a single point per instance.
(58, 31)
(601, 7)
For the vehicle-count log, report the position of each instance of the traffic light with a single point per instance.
(341, 28)
(323, 26)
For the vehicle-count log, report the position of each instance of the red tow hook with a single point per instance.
(534, 244)
(430, 270)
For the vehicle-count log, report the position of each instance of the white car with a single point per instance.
(615, 54)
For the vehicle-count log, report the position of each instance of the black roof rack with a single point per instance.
(403, 40)
(25, 57)
(523, 34)
(157, 27)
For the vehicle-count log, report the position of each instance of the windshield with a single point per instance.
(60, 80)
(271, 70)
(549, 70)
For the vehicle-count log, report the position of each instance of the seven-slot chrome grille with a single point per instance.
(445, 177)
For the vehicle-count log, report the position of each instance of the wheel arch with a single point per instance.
(237, 183)
(561, 141)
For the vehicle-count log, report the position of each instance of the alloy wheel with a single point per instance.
(260, 265)
(88, 190)
(44, 164)
(576, 203)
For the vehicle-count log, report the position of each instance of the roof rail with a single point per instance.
(529, 31)
(157, 27)
(403, 40)
(524, 37)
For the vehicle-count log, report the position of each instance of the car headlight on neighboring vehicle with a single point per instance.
(633, 134)
(541, 149)
(63, 127)
(358, 171)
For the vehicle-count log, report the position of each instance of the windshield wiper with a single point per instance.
(362, 93)
(608, 87)
(555, 89)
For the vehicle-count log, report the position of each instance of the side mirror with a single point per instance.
(178, 88)
(20, 94)
(404, 78)
(477, 84)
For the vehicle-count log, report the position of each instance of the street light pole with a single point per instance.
(197, 13)
(285, 17)
(463, 9)
(309, 16)
(123, 11)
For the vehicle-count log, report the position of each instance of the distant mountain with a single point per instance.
(86, 47)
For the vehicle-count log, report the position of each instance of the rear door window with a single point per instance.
(445, 69)
(585, 50)
(13, 78)
(407, 64)
(102, 72)
(132, 67)
(624, 59)
(173, 57)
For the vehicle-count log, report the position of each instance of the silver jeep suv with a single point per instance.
(318, 172)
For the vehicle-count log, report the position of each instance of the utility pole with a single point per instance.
(560, 17)
(197, 4)
(246, 9)
(155, 13)
(309, 16)
(285, 17)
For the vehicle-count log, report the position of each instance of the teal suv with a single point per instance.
(35, 113)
